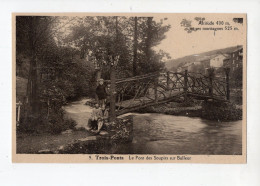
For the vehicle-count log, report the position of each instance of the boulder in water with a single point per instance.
(103, 133)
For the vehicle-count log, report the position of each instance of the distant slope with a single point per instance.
(174, 63)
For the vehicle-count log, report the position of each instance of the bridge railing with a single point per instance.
(140, 91)
(196, 83)
(135, 92)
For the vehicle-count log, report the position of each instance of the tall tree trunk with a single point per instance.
(32, 88)
(112, 114)
(135, 48)
(35, 97)
(148, 40)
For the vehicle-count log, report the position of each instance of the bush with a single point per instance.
(70, 124)
(220, 111)
(54, 124)
(57, 123)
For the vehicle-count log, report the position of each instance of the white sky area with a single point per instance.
(179, 43)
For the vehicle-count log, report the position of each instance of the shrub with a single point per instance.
(70, 124)
(220, 111)
(57, 123)
(54, 124)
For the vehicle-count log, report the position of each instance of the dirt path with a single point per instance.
(79, 112)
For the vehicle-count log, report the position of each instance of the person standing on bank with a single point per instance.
(101, 93)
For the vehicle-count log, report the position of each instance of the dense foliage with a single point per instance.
(99, 37)
(59, 55)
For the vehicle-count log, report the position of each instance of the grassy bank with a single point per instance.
(77, 141)
(41, 143)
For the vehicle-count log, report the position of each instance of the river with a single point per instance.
(168, 134)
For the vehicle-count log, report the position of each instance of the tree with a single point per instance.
(151, 33)
(56, 73)
(198, 68)
(95, 37)
(135, 47)
(148, 40)
(237, 77)
(32, 34)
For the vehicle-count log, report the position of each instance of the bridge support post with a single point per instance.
(98, 76)
(185, 85)
(211, 74)
(155, 87)
(112, 113)
(193, 85)
(168, 80)
(227, 70)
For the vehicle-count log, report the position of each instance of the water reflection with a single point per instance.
(166, 134)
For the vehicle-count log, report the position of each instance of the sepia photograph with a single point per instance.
(129, 87)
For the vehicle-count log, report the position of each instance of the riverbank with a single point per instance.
(43, 143)
(194, 111)
(78, 139)
(209, 110)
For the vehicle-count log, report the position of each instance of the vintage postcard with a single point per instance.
(129, 88)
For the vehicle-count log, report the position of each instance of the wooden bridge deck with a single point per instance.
(131, 105)
(144, 100)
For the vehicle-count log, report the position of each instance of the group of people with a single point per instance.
(99, 115)
(98, 118)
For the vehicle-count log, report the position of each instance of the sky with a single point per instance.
(179, 43)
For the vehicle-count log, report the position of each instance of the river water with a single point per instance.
(167, 134)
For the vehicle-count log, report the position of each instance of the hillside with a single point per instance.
(174, 63)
